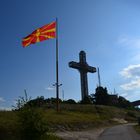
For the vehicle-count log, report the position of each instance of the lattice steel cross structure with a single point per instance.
(83, 68)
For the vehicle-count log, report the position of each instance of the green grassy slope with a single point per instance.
(70, 117)
(84, 116)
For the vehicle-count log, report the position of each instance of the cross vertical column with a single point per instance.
(84, 84)
(83, 68)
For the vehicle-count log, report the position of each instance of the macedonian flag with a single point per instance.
(46, 32)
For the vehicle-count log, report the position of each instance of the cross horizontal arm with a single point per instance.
(91, 69)
(82, 67)
(75, 65)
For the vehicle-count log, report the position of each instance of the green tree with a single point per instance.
(53, 100)
(38, 102)
(101, 96)
(122, 102)
(69, 101)
(86, 100)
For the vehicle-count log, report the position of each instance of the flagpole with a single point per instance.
(57, 73)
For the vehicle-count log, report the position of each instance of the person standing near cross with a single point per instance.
(83, 68)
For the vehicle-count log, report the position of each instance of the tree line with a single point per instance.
(100, 97)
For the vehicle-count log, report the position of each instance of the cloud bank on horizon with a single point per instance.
(130, 74)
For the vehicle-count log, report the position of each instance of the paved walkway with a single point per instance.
(120, 132)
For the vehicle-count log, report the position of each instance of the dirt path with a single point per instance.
(119, 132)
(81, 135)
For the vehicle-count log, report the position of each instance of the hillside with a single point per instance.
(75, 117)
(70, 117)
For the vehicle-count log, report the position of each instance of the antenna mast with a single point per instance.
(114, 91)
(99, 80)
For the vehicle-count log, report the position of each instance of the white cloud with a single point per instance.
(5, 108)
(124, 94)
(129, 41)
(132, 85)
(14, 102)
(132, 71)
(3, 104)
(136, 58)
(1, 99)
(50, 88)
(131, 46)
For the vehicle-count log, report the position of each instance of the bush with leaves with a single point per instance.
(86, 100)
(69, 101)
(101, 96)
(31, 123)
(22, 101)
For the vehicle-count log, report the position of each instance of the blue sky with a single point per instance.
(108, 31)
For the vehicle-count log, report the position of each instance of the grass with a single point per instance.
(8, 124)
(70, 120)
(50, 137)
(9, 128)
(83, 116)
(70, 117)
(137, 128)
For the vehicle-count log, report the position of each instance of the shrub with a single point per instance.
(69, 101)
(31, 123)
(139, 121)
(50, 137)
(86, 100)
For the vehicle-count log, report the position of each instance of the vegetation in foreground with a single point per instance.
(42, 121)
(137, 128)
(28, 124)
(35, 119)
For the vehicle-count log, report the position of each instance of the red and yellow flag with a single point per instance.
(46, 32)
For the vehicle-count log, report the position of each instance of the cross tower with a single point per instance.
(83, 68)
